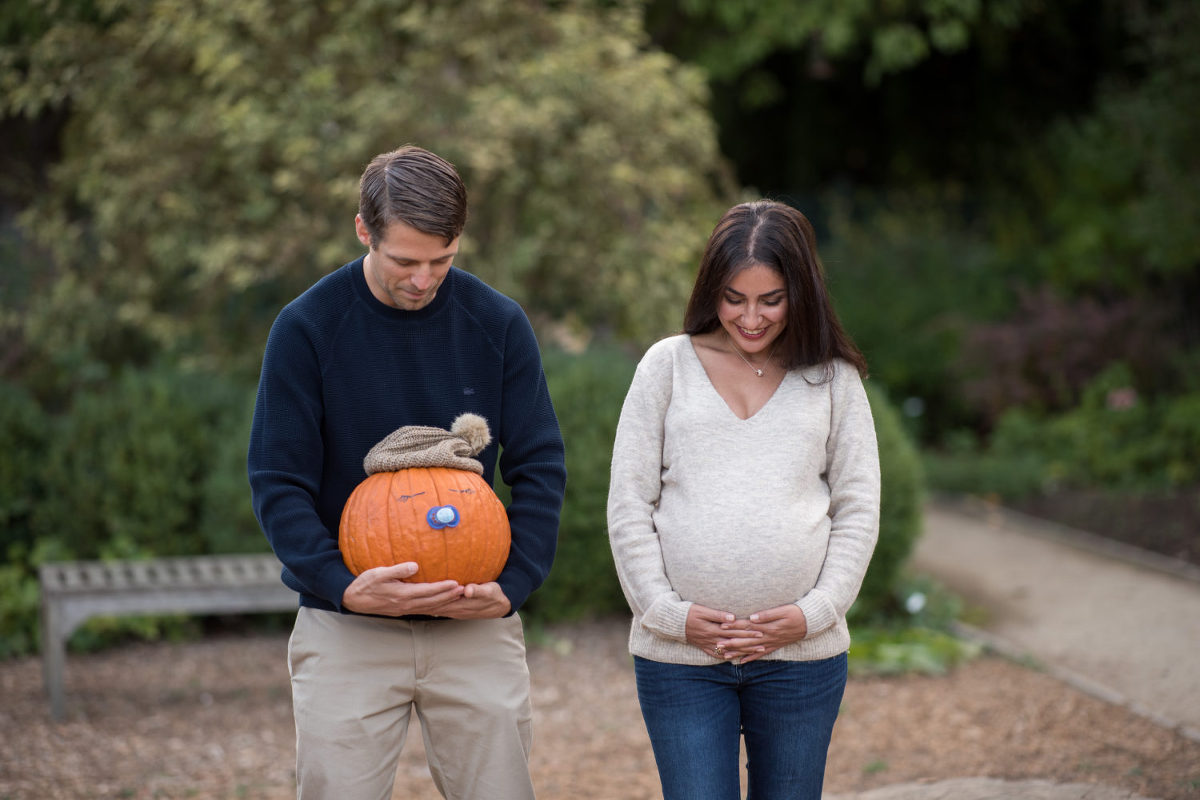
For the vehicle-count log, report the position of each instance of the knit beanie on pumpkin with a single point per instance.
(423, 446)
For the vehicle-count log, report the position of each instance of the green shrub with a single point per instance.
(227, 523)
(125, 472)
(1180, 434)
(901, 497)
(588, 391)
(1119, 439)
(23, 435)
(963, 465)
(912, 275)
(149, 464)
(19, 601)
(887, 651)
(1115, 439)
(1044, 356)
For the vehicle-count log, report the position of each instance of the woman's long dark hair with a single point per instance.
(780, 237)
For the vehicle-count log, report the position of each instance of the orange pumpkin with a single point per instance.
(449, 521)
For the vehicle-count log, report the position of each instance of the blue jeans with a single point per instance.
(695, 715)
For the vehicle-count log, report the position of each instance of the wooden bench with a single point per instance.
(75, 591)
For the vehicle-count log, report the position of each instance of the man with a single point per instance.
(401, 337)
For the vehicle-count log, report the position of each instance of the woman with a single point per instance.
(743, 509)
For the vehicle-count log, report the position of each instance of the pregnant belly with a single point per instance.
(743, 575)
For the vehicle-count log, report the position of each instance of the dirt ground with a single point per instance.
(212, 719)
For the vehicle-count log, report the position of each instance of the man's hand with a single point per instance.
(383, 590)
(478, 601)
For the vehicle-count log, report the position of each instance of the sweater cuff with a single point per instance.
(819, 613)
(668, 618)
(333, 582)
(516, 588)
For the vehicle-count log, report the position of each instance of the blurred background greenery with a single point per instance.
(1007, 195)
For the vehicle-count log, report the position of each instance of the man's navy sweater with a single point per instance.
(342, 370)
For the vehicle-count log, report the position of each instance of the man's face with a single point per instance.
(406, 267)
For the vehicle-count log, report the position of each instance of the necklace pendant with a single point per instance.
(737, 352)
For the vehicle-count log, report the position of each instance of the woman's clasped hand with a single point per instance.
(722, 635)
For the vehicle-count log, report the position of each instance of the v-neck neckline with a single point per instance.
(713, 387)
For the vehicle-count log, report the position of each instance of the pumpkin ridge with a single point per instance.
(346, 527)
(405, 520)
(474, 557)
(395, 491)
(361, 539)
(480, 556)
(377, 487)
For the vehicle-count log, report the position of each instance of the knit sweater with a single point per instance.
(342, 370)
(741, 515)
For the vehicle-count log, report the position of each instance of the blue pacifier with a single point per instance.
(442, 517)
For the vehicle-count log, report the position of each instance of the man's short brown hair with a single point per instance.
(416, 187)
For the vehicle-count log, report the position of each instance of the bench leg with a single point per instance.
(53, 657)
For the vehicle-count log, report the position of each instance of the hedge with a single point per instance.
(153, 464)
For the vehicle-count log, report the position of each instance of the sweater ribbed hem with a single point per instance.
(834, 641)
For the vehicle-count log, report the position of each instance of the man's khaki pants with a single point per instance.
(356, 680)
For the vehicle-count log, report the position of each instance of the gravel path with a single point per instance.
(1116, 622)
(212, 719)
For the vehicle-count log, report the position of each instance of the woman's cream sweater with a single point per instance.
(741, 515)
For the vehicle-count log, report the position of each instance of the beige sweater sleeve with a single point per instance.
(852, 473)
(633, 494)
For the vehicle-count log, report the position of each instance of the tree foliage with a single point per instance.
(210, 163)
(885, 95)
(1117, 193)
(981, 296)
(732, 37)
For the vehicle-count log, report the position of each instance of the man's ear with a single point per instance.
(360, 228)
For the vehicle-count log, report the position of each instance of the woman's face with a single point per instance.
(753, 308)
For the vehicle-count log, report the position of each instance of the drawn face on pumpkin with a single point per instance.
(448, 521)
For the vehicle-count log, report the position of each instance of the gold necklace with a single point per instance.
(737, 350)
